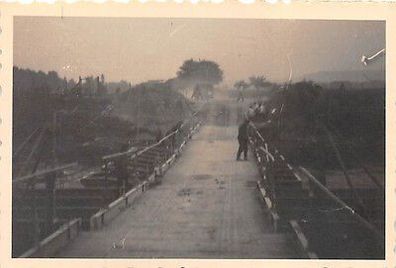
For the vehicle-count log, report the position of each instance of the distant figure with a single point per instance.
(197, 94)
(243, 139)
(262, 110)
(240, 96)
(251, 111)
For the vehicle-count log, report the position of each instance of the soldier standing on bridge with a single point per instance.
(243, 139)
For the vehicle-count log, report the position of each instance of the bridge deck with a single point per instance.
(207, 206)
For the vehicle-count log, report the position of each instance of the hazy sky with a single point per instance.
(142, 49)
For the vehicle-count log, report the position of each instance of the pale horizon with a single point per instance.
(141, 49)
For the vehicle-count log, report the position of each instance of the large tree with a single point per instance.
(201, 71)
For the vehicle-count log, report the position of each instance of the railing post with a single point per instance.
(179, 139)
(134, 167)
(105, 183)
(50, 191)
(123, 187)
(170, 147)
(165, 151)
(158, 160)
(105, 175)
(272, 171)
(266, 155)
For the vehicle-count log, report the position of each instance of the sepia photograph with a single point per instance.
(198, 138)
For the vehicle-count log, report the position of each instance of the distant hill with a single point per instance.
(352, 76)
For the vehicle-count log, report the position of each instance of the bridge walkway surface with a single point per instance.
(206, 206)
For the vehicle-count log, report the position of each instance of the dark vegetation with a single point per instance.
(58, 121)
(255, 87)
(303, 119)
(194, 72)
(148, 106)
(155, 111)
(92, 118)
(336, 128)
(252, 92)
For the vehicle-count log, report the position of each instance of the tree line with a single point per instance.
(258, 82)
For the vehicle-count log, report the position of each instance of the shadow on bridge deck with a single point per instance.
(207, 206)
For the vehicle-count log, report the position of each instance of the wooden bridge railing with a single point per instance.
(39, 206)
(296, 195)
(140, 164)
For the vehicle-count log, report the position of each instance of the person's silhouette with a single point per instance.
(243, 139)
